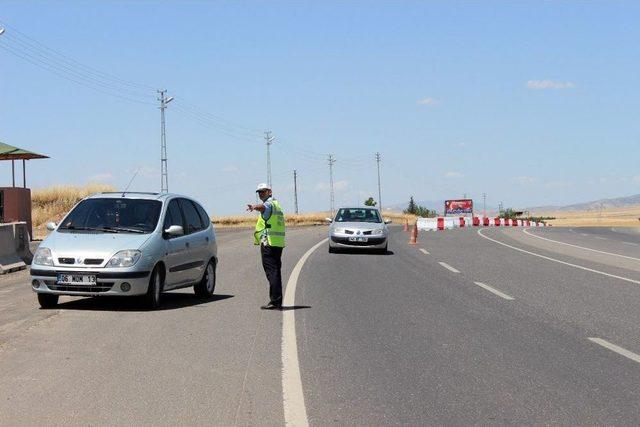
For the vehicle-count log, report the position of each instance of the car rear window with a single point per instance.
(204, 217)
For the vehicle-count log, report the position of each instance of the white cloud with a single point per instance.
(548, 84)
(453, 175)
(337, 186)
(523, 180)
(230, 168)
(428, 101)
(107, 176)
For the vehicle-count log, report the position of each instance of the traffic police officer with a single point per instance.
(269, 234)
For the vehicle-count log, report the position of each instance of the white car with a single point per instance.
(358, 228)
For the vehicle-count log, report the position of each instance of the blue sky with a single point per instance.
(533, 103)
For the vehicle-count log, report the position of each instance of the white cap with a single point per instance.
(263, 186)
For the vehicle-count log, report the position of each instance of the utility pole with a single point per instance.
(295, 190)
(484, 204)
(269, 140)
(164, 174)
(379, 191)
(332, 160)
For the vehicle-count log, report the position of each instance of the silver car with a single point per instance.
(127, 244)
(361, 228)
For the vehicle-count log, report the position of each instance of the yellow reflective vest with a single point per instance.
(273, 228)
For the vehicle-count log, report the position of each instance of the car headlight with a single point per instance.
(379, 231)
(124, 259)
(339, 230)
(43, 257)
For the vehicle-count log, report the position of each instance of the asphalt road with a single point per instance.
(469, 327)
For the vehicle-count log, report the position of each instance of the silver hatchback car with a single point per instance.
(358, 228)
(127, 244)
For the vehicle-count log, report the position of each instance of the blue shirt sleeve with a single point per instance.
(267, 210)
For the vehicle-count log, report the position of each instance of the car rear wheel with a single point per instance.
(48, 300)
(206, 287)
(153, 297)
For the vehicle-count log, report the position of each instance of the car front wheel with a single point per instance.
(48, 300)
(153, 297)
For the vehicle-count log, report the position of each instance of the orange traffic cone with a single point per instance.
(406, 225)
(413, 239)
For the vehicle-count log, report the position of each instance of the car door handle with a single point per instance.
(187, 244)
(206, 238)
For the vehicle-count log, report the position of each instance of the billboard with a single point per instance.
(458, 207)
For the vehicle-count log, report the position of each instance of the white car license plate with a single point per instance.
(76, 279)
(358, 239)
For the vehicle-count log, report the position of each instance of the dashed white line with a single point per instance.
(295, 411)
(584, 234)
(621, 351)
(626, 279)
(630, 243)
(600, 238)
(448, 267)
(580, 247)
(424, 251)
(494, 291)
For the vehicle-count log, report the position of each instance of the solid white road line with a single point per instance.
(580, 247)
(622, 351)
(295, 411)
(424, 251)
(448, 267)
(494, 291)
(626, 279)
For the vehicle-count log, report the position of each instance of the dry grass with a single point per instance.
(614, 217)
(317, 218)
(51, 204)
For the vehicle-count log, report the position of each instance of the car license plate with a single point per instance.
(76, 279)
(358, 239)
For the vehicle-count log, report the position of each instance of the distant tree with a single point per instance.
(370, 202)
(411, 209)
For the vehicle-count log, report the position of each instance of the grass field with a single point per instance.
(613, 217)
(52, 203)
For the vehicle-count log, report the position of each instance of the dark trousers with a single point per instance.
(272, 264)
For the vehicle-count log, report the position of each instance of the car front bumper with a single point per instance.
(108, 282)
(377, 242)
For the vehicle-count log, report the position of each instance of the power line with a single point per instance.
(295, 190)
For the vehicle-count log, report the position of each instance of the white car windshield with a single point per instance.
(113, 215)
(358, 215)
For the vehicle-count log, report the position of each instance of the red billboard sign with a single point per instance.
(458, 207)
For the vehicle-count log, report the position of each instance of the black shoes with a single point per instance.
(272, 306)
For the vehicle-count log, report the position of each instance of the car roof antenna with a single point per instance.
(131, 181)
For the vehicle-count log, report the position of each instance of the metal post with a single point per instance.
(332, 160)
(13, 172)
(295, 190)
(484, 204)
(24, 173)
(379, 191)
(164, 174)
(269, 140)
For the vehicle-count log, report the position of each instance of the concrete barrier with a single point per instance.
(14, 242)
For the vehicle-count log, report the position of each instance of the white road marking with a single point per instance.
(622, 351)
(584, 234)
(630, 243)
(626, 279)
(580, 247)
(600, 238)
(494, 291)
(295, 411)
(448, 267)
(424, 251)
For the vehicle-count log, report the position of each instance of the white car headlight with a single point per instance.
(379, 231)
(124, 259)
(43, 257)
(339, 230)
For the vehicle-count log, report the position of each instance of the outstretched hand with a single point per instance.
(249, 208)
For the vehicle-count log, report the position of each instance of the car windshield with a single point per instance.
(358, 215)
(113, 216)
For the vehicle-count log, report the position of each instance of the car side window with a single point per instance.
(204, 217)
(191, 216)
(173, 215)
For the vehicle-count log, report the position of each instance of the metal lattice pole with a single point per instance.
(164, 173)
(295, 190)
(378, 157)
(269, 140)
(332, 160)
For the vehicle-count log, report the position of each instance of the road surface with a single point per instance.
(470, 326)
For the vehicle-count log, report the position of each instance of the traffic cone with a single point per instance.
(413, 239)
(406, 225)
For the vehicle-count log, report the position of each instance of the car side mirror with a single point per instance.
(51, 226)
(329, 220)
(174, 231)
(387, 221)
